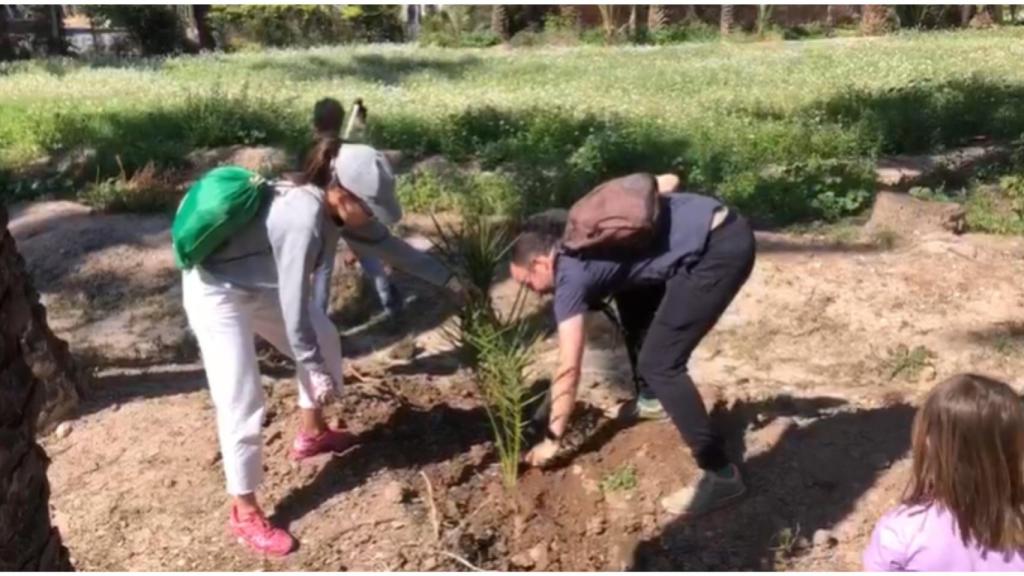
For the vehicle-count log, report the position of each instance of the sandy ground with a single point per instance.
(814, 374)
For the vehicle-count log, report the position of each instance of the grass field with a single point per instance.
(786, 130)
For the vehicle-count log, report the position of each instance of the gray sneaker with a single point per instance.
(711, 492)
(645, 408)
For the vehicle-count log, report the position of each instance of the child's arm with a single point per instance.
(887, 551)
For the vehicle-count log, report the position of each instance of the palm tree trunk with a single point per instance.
(874, 19)
(726, 19)
(607, 20)
(499, 21)
(656, 17)
(27, 539)
(6, 48)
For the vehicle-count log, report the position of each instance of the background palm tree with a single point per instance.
(726, 19)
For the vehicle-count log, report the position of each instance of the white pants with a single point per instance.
(225, 320)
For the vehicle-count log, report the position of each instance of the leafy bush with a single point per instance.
(157, 29)
(486, 193)
(306, 24)
(684, 32)
(143, 191)
(826, 190)
(998, 209)
(457, 27)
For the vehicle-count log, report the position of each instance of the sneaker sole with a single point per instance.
(298, 458)
(265, 553)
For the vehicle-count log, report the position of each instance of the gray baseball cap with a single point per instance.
(366, 172)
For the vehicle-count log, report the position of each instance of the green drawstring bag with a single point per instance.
(217, 206)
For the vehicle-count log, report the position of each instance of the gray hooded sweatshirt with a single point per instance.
(290, 237)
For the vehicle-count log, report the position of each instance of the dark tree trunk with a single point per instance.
(966, 13)
(203, 30)
(28, 542)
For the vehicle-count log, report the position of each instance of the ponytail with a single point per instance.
(318, 169)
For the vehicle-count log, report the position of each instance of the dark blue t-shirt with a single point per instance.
(684, 223)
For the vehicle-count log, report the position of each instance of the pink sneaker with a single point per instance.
(330, 442)
(255, 532)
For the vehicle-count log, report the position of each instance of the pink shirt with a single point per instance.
(920, 538)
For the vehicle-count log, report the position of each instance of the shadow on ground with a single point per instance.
(809, 480)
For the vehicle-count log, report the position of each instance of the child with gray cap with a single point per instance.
(259, 282)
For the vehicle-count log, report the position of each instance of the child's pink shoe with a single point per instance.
(255, 531)
(329, 442)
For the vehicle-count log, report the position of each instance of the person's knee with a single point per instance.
(656, 367)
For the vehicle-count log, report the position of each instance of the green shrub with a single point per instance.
(305, 24)
(157, 29)
(997, 209)
(485, 193)
(143, 191)
(457, 27)
(814, 190)
(684, 32)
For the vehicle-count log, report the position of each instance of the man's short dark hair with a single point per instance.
(540, 234)
(328, 116)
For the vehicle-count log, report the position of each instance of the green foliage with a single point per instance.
(622, 479)
(813, 190)
(457, 27)
(157, 29)
(906, 362)
(683, 32)
(484, 193)
(305, 24)
(801, 124)
(504, 349)
(144, 191)
(498, 346)
(997, 209)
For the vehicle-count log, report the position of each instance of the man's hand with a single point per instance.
(459, 292)
(667, 183)
(348, 256)
(542, 453)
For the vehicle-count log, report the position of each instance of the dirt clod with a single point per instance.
(595, 526)
(823, 539)
(63, 430)
(395, 492)
(539, 555)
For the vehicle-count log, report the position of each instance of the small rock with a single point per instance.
(539, 555)
(522, 560)
(170, 483)
(63, 430)
(213, 458)
(577, 469)
(395, 492)
(928, 374)
(115, 407)
(429, 563)
(802, 543)
(595, 526)
(880, 461)
(405, 350)
(274, 437)
(709, 558)
(268, 416)
(823, 539)
(769, 436)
